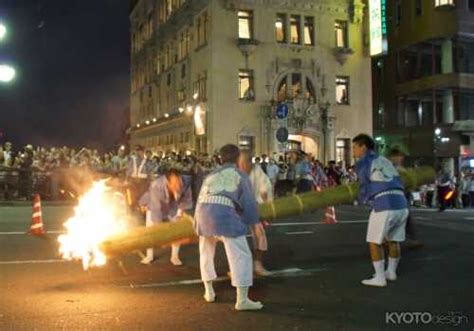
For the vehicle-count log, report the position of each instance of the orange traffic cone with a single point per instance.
(36, 227)
(330, 216)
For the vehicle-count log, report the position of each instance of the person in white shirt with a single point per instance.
(263, 192)
(272, 172)
(7, 154)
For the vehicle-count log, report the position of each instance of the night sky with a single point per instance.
(72, 61)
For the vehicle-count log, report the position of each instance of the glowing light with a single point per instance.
(154, 120)
(100, 214)
(195, 96)
(147, 122)
(181, 109)
(7, 73)
(138, 125)
(199, 120)
(122, 147)
(189, 109)
(448, 195)
(167, 115)
(437, 131)
(3, 31)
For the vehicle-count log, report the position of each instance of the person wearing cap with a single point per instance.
(381, 187)
(226, 207)
(138, 175)
(167, 198)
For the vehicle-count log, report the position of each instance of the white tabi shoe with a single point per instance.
(175, 256)
(149, 258)
(391, 276)
(243, 301)
(209, 294)
(375, 281)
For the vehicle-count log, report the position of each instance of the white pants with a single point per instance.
(387, 224)
(238, 257)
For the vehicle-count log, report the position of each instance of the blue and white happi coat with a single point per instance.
(226, 205)
(158, 201)
(380, 183)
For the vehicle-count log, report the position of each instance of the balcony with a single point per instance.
(448, 80)
(342, 54)
(247, 46)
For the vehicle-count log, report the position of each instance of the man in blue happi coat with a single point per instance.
(225, 209)
(382, 189)
(167, 198)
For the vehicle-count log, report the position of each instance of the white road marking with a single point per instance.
(33, 261)
(15, 233)
(433, 210)
(298, 232)
(317, 223)
(290, 272)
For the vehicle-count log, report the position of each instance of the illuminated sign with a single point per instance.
(378, 27)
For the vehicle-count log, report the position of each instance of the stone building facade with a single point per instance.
(207, 73)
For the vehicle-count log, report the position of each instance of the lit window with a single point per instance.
(246, 88)
(309, 30)
(343, 151)
(280, 28)
(245, 24)
(186, 42)
(200, 87)
(158, 64)
(340, 28)
(342, 90)
(295, 29)
(439, 3)
(202, 29)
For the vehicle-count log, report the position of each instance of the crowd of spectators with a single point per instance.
(59, 173)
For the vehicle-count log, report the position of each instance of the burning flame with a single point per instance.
(100, 214)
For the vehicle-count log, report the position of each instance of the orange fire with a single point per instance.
(100, 214)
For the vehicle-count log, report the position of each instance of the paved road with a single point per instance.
(316, 285)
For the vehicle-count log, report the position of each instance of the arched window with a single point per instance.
(295, 85)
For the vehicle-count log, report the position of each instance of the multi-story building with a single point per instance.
(207, 73)
(423, 87)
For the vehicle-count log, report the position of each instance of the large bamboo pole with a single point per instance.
(311, 201)
(164, 234)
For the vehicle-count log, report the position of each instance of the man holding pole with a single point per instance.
(381, 188)
(166, 199)
(225, 209)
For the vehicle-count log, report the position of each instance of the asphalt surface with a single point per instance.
(316, 285)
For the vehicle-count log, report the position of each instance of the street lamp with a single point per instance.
(7, 73)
